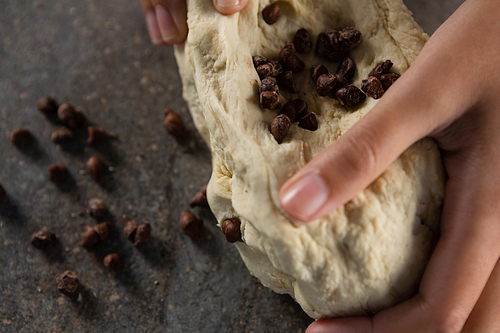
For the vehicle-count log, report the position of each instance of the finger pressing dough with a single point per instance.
(366, 255)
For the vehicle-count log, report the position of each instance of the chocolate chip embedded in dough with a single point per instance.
(232, 229)
(286, 80)
(323, 46)
(317, 71)
(294, 109)
(302, 41)
(269, 84)
(280, 126)
(288, 58)
(382, 68)
(259, 60)
(271, 68)
(350, 96)
(270, 100)
(388, 79)
(349, 38)
(309, 122)
(346, 68)
(337, 55)
(271, 13)
(330, 83)
(372, 87)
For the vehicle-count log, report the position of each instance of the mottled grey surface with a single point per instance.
(97, 55)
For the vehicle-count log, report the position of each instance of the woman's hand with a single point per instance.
(166, 19)
(452, 94)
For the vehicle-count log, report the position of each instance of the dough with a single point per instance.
(364, 256)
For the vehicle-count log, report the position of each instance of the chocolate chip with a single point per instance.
(191, 225)
(103, 230)
(232, 230)
(269, 84)
(97, 209)
(90, 237)
(67, 284)
(302, 41)
(62, 135)
(337, 55)
(349, 38)
(142, 234)
(2, 192)
(43, 239)
(200, 198)
(95, 168)
(58, 173)
(286, 80)
(382, 68)
(259, 60)
(70, 116)
(20, 137)
(130, 228)
(333, 38)
(173, 124)
(350, 96)
(309, 122)
(47, 105)
(372, 87)
(112, 261)
(294, 109)
(95, 135)
(317, 71)
(346, 68)
(270, 100)
(388, 79)
(288, 58)
(280, 126)
(322, 45)
(271, 13)
(271, 68)
(330, 83)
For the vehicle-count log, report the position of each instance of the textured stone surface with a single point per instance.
(97, 56)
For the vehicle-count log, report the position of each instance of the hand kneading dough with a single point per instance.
(364, 256)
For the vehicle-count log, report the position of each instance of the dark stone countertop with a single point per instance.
(97, 55)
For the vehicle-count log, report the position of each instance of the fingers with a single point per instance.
(229, 6)
(166, 20)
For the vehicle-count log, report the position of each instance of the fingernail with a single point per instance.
(226, 3)
(166, 24)
(154, 30)
(305, 197)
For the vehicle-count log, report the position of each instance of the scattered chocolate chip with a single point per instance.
(97, 209)
(372, 87)
(350, 96)
(43, 239)
(95, 168)
(90, 237)
(337, 55)
(173, 124)
(309, 122)
(20, 137)
(346, 68)
(103, 230)
(330, 83)
(270, 100)
(62, 135)
(200, 198)
(130, 228)
(294, 109)
(259, 60)
(288, 58)
(70, 116)
(142, 234)
(112, 261)
(2, 192)
(191, 225)
(322, 45)
(58, 173)
(232, 230)
(388, 79)
(271, 13)
(95, 135)
(286, 80)
(47, 105)
(67, 284)
(271, 68)
(269, 84)
(317, 71)
(349, 38)
(280, 126)
(382, 68)
(302, 41)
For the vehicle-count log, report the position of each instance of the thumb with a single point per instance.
(229, 6)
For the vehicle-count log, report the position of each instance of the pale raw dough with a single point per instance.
(366, 255)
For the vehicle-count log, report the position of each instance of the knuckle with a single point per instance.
(452, 322)
(362, 159)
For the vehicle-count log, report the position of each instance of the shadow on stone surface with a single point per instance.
(10, 211)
